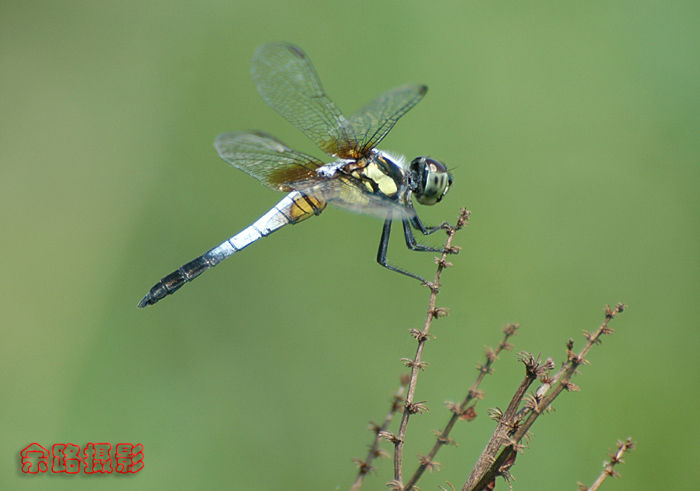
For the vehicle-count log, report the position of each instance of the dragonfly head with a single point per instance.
(430, 180)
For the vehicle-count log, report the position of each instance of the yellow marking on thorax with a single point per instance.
(385, 183)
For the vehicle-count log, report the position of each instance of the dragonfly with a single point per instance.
(360, 179)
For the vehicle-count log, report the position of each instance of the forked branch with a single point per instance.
(501, 451)
(464, 411)
(513, 424)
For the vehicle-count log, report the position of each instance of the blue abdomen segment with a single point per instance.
(293, 208)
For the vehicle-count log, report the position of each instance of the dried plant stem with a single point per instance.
(609, 467)
(365, 466)
(416, 364)
(463, 411)
(507, 420)
(572, 364)
(483, 476)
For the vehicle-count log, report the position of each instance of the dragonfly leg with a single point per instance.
(418, 225)
(381, 254)
(411, 240)
(415, 246)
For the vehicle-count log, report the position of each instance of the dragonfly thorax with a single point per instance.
(381, 173)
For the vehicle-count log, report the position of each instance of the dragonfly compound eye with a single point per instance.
(431, 180)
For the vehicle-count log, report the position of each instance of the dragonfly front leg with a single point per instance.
(411, 239)
(381, 254)
(418, 225)
(415, 246)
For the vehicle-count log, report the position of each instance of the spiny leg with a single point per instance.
(381, 254)
(418, 225)
(411, 239)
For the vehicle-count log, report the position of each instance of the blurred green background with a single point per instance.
(572, 129)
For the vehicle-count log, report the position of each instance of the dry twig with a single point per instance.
(365, 466)
(513, 424)
(609, 467)
(500, 453)
(416, 364)
(465, 410)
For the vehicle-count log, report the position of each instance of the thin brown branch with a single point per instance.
(507, 421)
(365, 466)
(540, 402)
(609, 467)
(416, 363)
(464, 411)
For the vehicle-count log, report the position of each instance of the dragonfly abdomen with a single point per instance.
(294, 208)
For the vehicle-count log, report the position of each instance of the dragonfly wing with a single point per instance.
(371, 123)
(288, 82)
(266, 158)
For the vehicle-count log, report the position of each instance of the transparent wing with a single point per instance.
(266, 158)
(371, 123)
(352, 195)
(288, 82)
